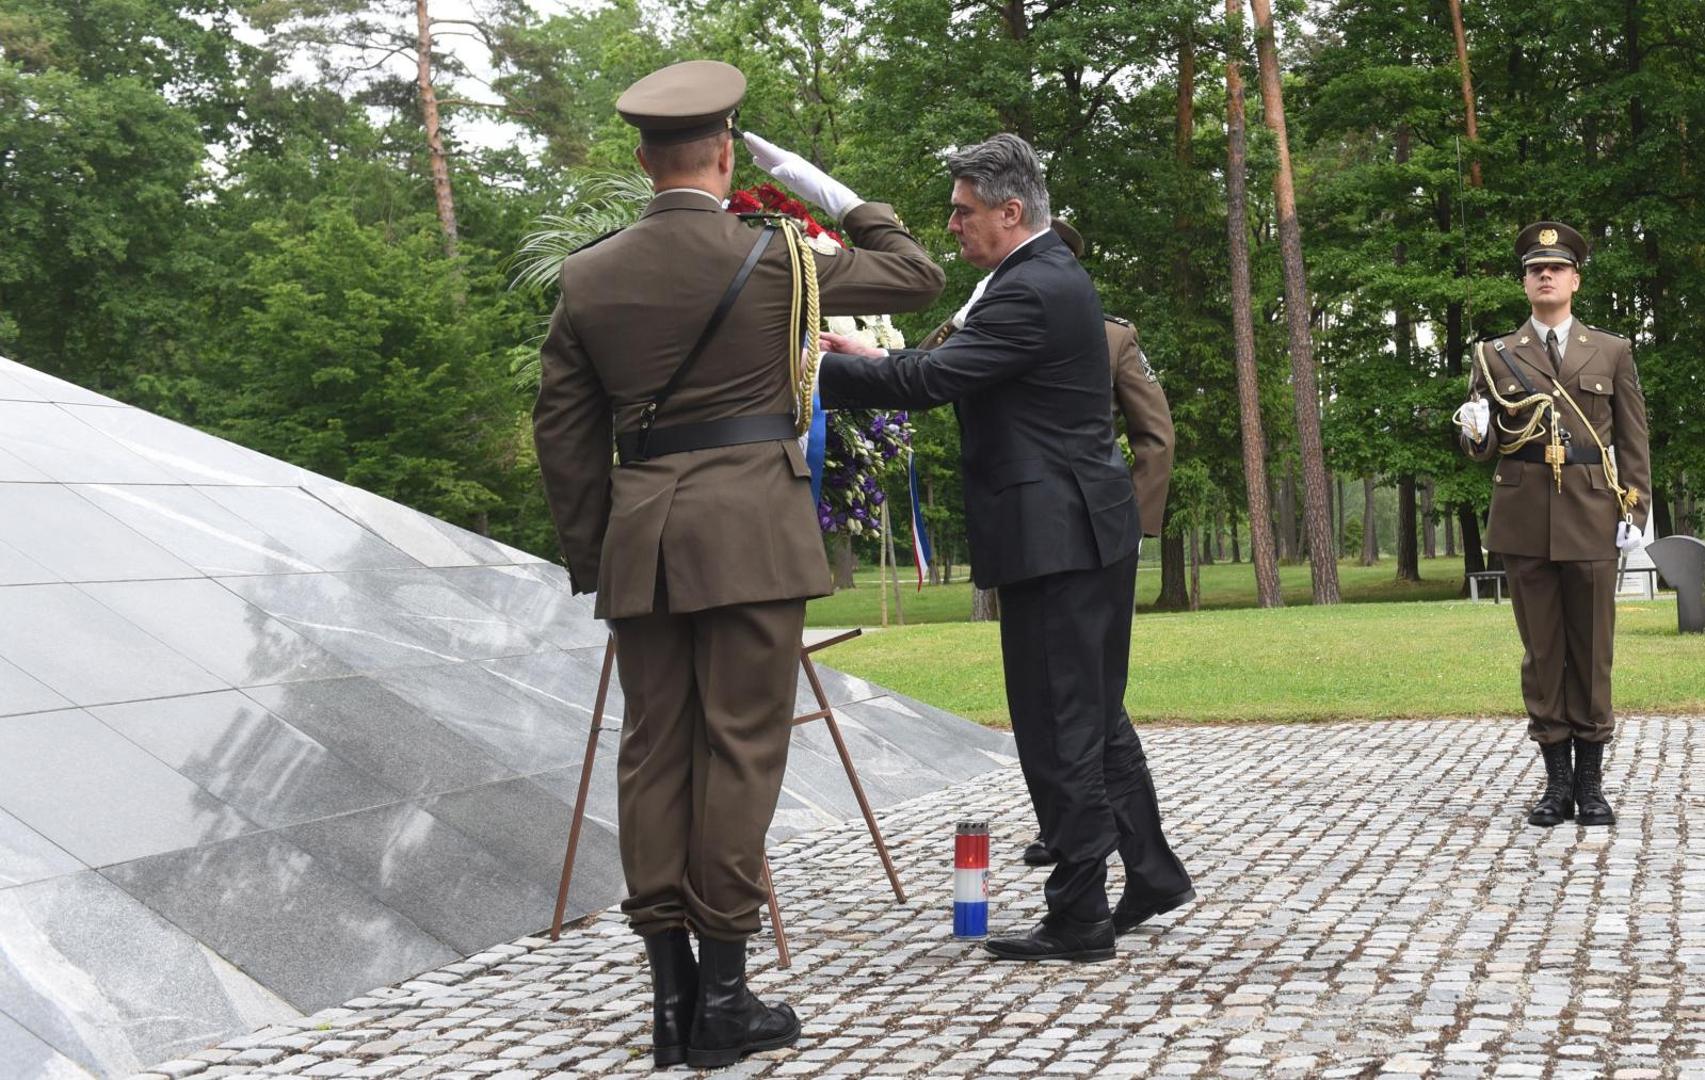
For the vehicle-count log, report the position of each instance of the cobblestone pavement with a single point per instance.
(1371, 903)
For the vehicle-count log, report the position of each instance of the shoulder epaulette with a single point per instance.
(1492, 336)
(596, 240)
(1612, 333)
(1116, 319)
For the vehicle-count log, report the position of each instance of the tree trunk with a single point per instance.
(1236, 552)
(1370, 532)
(1195, 569)
(1660, 509)
(1298, 312)
(985, 605)
(1408, 564)
(841, 558)
(1174, 589)
(1473, 559)
(1290, 547)
(1450, 534)
(1429, 524)
(1472, 126)
(434, 137)
(1338, 481)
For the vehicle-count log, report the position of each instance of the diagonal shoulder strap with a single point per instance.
(649, 416)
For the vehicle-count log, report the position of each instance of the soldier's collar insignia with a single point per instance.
(1583, 339)
(1548, 236)
(1524, 340)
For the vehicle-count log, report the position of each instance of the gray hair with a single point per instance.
(1005, 167)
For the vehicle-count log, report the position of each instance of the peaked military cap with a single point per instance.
(1550, 242)
(1071, 236)
(685, 101)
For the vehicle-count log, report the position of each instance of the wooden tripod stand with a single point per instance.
(823, 712)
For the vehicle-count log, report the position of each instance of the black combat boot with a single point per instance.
(674, 991)
(1589, 785)
(1558, 803)
(730, 1021)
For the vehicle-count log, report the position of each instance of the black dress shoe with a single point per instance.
(1057, 938)
(1037, 854)
(1130, 915)
(730, 1022)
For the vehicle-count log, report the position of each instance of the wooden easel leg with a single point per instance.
(783, 959)
(828, 716)
(585, 785)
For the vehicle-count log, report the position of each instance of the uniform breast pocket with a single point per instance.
(1596, 397)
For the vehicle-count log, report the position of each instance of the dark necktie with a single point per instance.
(1551, 351)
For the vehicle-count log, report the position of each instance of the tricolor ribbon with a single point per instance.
(920, 532)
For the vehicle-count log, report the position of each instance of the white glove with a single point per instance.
(976, 295)
(1628, 538)
(807, 180)
(1476, 419)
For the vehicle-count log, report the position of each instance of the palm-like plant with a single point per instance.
(600, 201)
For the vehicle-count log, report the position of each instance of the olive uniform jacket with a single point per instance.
(1148, 421)
(732, 524)
(1529, 515)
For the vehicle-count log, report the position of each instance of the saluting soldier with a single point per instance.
(1558, 404)
(1148, 428)
(673, 349)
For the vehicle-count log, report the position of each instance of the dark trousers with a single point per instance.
(704, 745)
(1066, 649)
(1566, 614)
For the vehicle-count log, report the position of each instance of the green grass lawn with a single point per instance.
(1224, 585)
(1452, 658)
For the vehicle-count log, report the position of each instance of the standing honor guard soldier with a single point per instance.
(677, 348)
(1558, 404)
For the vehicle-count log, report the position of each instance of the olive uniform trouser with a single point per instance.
(1566, 613)
(710, 705)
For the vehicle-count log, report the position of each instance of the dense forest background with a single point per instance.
(294, 222)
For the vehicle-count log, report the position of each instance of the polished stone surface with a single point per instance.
(430, 872)
(48, 438)
(509, 724)
(26, 855)
(86, 652)
(386, 736)
(436, 610)
(294, 925)
(196, 529)
(190, 456)
(98, 795)
(76, 541)
(25, 1057)
(219, 631)
(16, 568)
(306, 525)
(551, 613)
(268, 771)
(19, 693)
(359, 629)
(112, 985)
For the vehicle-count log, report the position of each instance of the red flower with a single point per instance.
(769, 197)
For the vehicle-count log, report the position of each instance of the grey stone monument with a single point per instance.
(1681, 560)
(268, 741)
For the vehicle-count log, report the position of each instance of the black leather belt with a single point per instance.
(1573, 455)
(706, 435)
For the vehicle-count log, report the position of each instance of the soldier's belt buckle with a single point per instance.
(1555, 455)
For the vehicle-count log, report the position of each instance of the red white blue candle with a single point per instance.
(971, 880)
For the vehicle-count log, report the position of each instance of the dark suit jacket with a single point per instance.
(1045, 486)
(734, 524)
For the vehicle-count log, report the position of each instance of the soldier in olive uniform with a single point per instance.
(1558, 404)
(1148, 429)
(702, 543)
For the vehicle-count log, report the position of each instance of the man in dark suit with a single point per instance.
(1053, 525)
